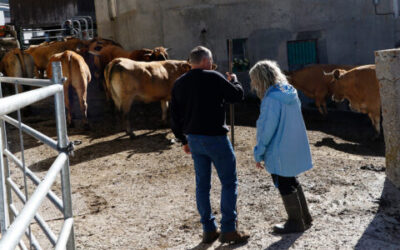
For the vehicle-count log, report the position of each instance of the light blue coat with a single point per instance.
(282, 141)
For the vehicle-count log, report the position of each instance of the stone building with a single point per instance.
(293, 32)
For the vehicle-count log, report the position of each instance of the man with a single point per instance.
(198, 120)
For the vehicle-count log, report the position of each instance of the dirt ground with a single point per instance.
(140, 194)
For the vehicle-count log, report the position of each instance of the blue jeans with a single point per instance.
(218, 150)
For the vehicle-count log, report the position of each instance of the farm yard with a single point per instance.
(140, 193)
(110, 64)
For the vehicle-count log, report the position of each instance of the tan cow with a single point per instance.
(361, 88)
(42, 54)
(110, 52)
(129, 80)
(314, 84)
(78, 76)
(16, 63)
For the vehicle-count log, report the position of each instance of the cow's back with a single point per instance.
(312, 77)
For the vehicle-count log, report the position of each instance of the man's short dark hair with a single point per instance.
(198, 53)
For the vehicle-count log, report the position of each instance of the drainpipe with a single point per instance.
(112, 9)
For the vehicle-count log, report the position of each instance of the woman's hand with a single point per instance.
(259, 165)
(186, 148)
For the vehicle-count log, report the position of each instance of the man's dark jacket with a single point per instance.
(197, 103)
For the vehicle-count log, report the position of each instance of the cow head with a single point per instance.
(336, 85)
(157, 54)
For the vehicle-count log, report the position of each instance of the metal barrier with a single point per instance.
(14, 223)
(81, 27)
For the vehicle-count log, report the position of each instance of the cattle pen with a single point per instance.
(15, 223)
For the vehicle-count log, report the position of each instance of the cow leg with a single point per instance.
(325, 108)
(41, 74)
(126, 108)
(82, 96)
(164, 109)
(318, 104)
(36, 71)
(67, 105)
(375, 119)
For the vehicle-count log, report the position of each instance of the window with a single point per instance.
(301, 53)
(239, 54)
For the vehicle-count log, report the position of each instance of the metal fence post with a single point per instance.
(62, 145)
(4, 213)
(5, 161)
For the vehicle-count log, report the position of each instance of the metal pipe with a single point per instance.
(39, 30)
(6, 163)
(4, 220)
(43, 225)
(34, 133)
(14, 233)
(44, 38)
(26, 81)
(64, 234)
(21, 142)
(91, 24)
(12, 103)
(79, 28)
(22, 245)
(61, 123)
(51, 195)
(35, 242)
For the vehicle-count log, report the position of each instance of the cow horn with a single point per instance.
(94, 53)
(328, 74)
(166, 49)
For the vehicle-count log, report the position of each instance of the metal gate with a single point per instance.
(14, 223)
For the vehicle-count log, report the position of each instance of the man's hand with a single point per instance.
(231, 76)
(259, 166)
(186, 148)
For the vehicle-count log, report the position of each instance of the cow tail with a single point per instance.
(20, 57)
(108, 72)
(69, 65)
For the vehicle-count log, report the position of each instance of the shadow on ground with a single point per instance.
(144, 143)
(385, 226)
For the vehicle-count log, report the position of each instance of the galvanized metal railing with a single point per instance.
(14, 223)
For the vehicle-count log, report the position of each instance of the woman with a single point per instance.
(282, 142)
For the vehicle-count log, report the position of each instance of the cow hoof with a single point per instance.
(132, 136)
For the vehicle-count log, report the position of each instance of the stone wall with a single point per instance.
(388, 74)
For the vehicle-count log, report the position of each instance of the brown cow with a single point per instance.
(361, 88)
(314, 84)
(129, 80)
(42, 54)
(78, 76)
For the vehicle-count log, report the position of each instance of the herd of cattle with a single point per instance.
(148, 75)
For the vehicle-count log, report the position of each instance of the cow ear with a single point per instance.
(187, 67)
(336, 74)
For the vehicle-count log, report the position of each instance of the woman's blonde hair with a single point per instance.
(265, 74)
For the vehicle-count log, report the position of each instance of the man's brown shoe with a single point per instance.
(234, 237)
(210, 237)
